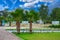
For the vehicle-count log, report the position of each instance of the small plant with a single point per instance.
(54, 26)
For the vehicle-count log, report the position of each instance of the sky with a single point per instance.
(25, 4)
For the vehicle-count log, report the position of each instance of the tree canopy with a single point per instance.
(55, 15)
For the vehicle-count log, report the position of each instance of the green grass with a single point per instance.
(39, 36)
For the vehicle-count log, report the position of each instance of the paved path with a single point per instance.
(4, 35)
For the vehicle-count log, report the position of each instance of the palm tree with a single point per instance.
(43, 10)
(1, 18)
(7, 16)
(17, 16)
(3, 14)
(32, 16)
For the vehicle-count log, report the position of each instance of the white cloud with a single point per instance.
(31, 3)
(30, 0)
(27, 0)
(1, 7)
(28, 4)
(20, 5)
(6, 7)
(24, 0)
(35, 6)
(46, 0)
(45, 4)
(39, 5)
(36, 0)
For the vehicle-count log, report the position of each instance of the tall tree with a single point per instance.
(55, 15)
(9, 18)
(3, 14)
(1, 17)
(43, 10)
(32, 16)
(18, 17)
(6, 16)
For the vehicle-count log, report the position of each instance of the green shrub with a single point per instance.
(54, 26)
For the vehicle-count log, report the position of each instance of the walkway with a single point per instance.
(4, 35)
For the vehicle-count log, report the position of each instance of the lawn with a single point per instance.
(39, 36)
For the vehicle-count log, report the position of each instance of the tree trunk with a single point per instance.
(0, 23)
(18, 26)
(30, 26)
(9, 23)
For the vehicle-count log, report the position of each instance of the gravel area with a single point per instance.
(4, 35)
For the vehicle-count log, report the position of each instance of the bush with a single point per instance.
(54, 26)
